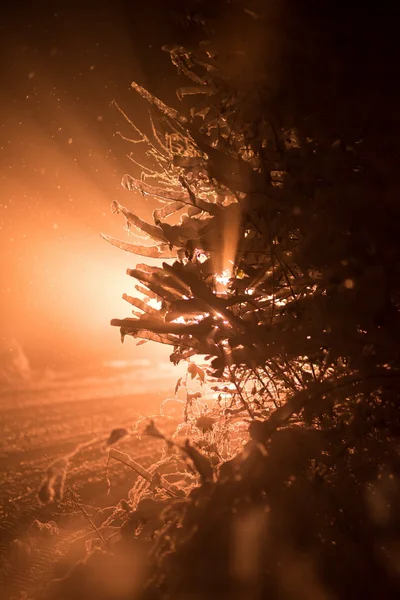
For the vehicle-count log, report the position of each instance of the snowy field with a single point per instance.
(44, 419)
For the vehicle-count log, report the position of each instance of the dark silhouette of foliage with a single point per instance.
(279, 218)
(285, 275)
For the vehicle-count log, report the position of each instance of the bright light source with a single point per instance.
(180, 320)
(201, 257)
(154, 303)
(224, 277)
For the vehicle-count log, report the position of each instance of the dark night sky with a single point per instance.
(61, 165)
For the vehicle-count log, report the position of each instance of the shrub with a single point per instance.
(279, 230)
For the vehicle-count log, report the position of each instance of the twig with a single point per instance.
(239, 391)
(298, 401)
(81, 508)
(125, 459)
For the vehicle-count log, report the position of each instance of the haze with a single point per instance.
(61, 166)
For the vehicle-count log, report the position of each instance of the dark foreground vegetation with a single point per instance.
(278, 188)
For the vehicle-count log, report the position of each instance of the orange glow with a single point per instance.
(60, 168)
(224, 277)
(231, 232)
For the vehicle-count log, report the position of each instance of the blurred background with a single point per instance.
(62, 64)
